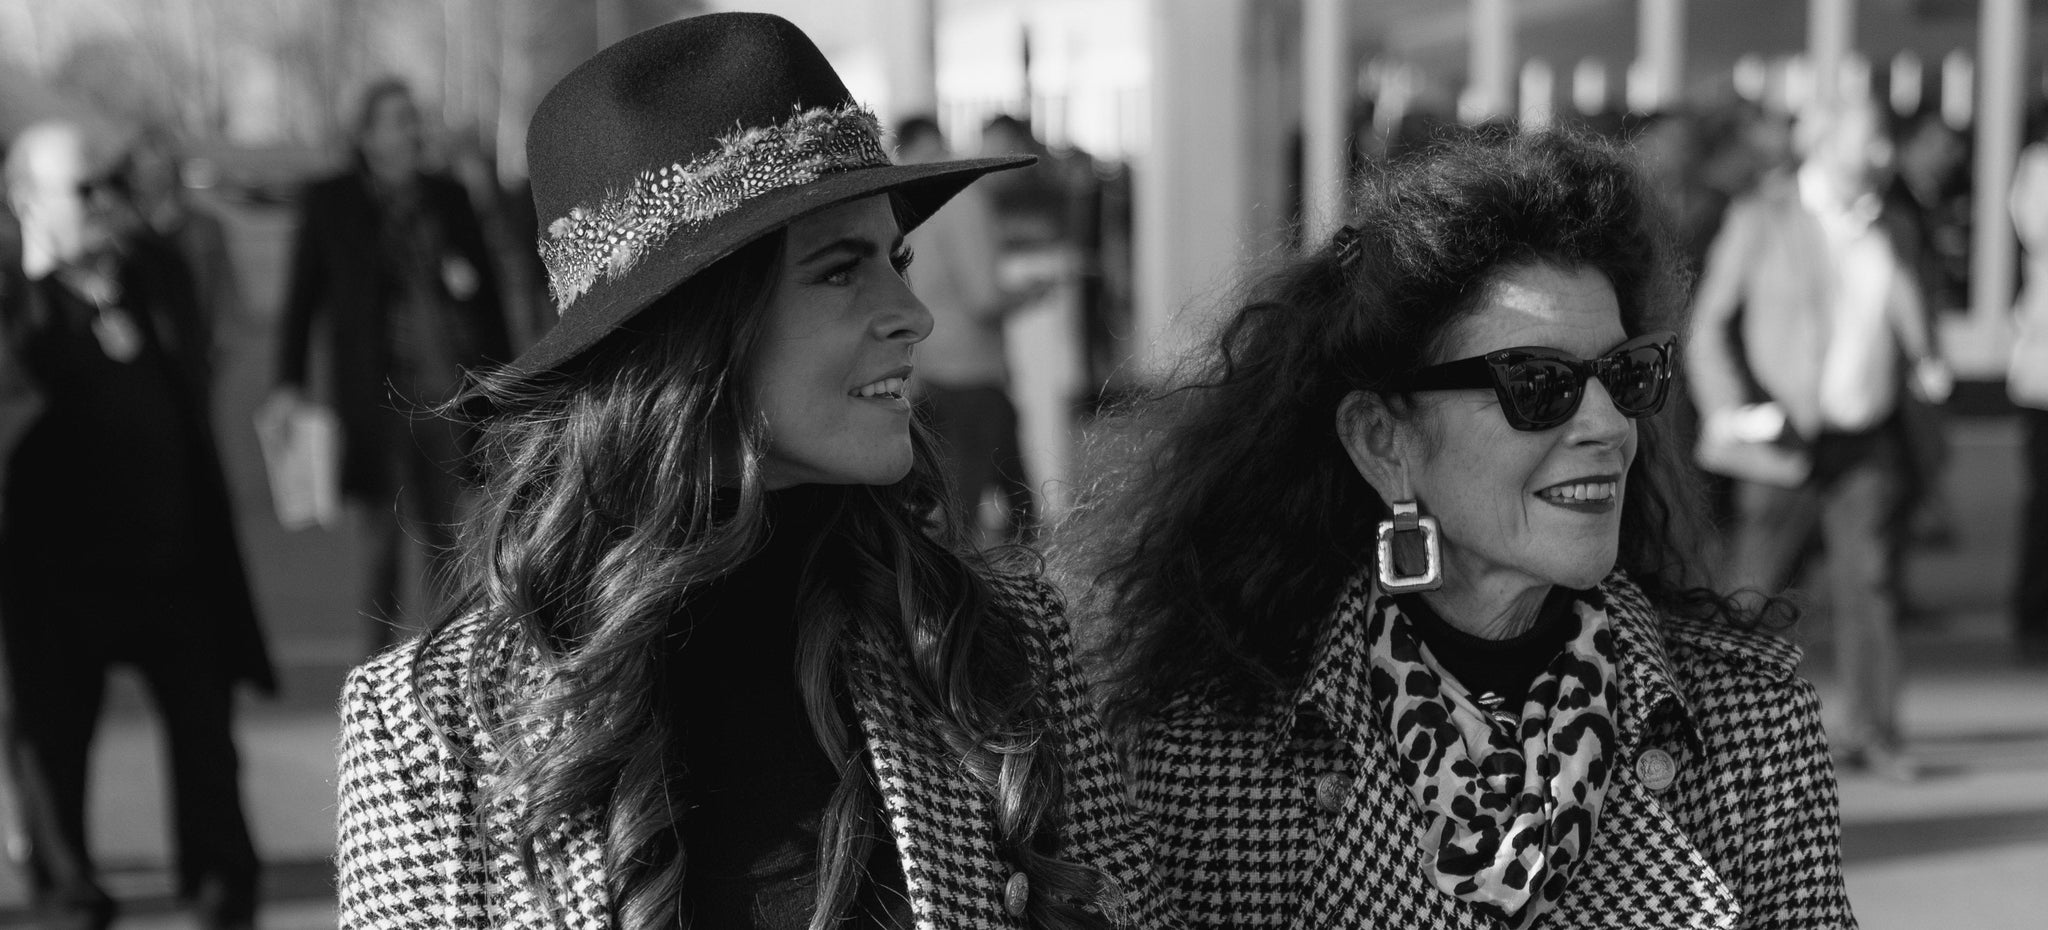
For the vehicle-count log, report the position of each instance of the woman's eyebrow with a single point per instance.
(865, 248)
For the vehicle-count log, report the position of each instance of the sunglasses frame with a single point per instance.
(1494, 370)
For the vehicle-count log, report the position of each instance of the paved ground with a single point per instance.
(1966, 845)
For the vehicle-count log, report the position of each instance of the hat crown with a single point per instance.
(666, 96)
(670, 150)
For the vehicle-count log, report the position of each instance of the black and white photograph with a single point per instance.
(1023, 464)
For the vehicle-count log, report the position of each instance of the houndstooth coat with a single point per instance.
(416, 850)
(1295, 818)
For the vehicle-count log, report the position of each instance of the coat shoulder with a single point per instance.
(423, 679)
(1715, 648)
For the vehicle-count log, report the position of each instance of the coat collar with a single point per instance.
(1336, 689)
(1335, 698)
(940, 817)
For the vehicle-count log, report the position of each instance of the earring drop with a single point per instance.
(1408, 518)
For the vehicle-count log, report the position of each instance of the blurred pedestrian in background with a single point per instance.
(1931, 180)
(390, 266)
(1808, 331)
(156, 179)
(1674, 148)
(719, 659)
(963, 375)
(116, 540)
(1926, 213)
(2027, 383)
(1404, 626)
(1037, 253)
(1031, 205)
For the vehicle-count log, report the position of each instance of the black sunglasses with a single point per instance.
(1540, 388)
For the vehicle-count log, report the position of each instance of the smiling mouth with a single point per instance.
(1581, 492)
(885, 389)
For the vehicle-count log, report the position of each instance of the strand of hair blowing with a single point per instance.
(598, 520)
(1177, 525)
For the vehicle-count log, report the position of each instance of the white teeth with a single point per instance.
(1582, 491)
(887, 387)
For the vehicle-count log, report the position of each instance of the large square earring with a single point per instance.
(1408, 518)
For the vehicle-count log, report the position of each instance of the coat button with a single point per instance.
(1016, 894)
(1331, 791)
(1656, 769)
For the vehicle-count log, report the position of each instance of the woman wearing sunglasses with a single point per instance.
(1400, 631)
(714, 663)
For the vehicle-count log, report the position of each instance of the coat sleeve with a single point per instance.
(486, 307)
(21, 399)
(401, 841)
(21, 403)
(1712, 362)
(966, 256)
(1794, 876)
(213, 273)
(2028, 203)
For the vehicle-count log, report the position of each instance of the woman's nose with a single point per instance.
(1598, 420)
(905, 318)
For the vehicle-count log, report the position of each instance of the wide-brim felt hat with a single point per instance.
(673, 148)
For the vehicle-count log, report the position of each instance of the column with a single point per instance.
(1660, 53)
(1491, 92)
(1539, 94)
(912, 62)
(1193, 188)
(1830, 33)
(2002, 57)
(1328, 83)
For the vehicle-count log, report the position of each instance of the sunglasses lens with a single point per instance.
(1544, 391)
(1635, 379)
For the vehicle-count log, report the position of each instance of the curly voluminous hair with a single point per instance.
(606, 501)
(1224, 517)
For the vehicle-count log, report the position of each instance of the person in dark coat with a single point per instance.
(117, 542)
(390, 262)
(155, 176)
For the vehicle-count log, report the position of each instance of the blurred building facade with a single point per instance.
(1228, 111)
(1235, 121)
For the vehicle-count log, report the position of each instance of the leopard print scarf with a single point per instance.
(1510, 805)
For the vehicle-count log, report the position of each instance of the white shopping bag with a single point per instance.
(302, 453)
(1753, 442)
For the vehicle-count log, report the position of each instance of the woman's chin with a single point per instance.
(879, 474)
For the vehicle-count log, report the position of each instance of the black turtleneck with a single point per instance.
(1503, 667)
(756, 782)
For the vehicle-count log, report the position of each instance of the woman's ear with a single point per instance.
(1372, 438)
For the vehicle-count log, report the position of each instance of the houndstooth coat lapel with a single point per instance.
(944, 822)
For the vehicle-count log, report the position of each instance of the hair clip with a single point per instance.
(1346, 242)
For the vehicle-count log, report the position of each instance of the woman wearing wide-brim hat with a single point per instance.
(714, 661)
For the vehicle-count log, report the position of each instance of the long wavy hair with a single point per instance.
(607, 499)
(1225, 518)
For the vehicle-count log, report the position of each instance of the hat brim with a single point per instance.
(924, 188)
